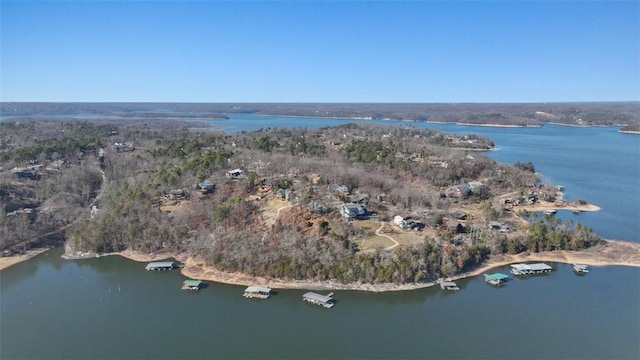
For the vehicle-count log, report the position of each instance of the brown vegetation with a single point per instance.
(278, 216)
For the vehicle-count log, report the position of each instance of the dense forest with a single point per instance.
(151, 186)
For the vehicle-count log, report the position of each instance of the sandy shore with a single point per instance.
(629, 132)
(611, 253)
(542, 206)
(7, 261)
(497, 125)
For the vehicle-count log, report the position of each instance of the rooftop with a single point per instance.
(192, 283)
(257, 289)
(317, 297)
(532, 267)
(160, 264)
(497, 276)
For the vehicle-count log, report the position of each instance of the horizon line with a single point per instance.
(322, 102)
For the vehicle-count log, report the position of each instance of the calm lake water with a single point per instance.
(112, 308)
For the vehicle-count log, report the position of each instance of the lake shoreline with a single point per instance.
(8, 261)
(609, 253)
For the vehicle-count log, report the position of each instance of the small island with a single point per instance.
(366, 207)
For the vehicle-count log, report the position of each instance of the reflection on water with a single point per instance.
(111, 307)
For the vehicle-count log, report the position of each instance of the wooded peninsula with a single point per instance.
(365, 204)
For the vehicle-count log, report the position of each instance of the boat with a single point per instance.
(317, 299)
(549, 212)
(449, 285)
(191, 285)
(580, 268)
(259, 292)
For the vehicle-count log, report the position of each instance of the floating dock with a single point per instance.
(259, 292)
(530, 269)
(160, 265)
(191, 285)
(495, 279)
(449, 285)
(317, 299)
(580, 269)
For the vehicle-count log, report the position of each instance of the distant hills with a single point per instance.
(508, 114)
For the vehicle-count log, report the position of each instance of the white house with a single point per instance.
(399, 221)
(235, 173)
(352, 211)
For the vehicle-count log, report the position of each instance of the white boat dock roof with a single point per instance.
(317, 297)
(532, 267)
(160, 264)
(581, 267)
(257, 289)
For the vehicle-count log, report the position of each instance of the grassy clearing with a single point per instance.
(408, 237)
(373, 242)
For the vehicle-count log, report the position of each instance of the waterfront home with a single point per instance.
(476, 186)
(353, 211)
(259, 292)
(453, 226)
(317, 299)
(458, 191)
(530, 269)
(160, 265)
(496, 279)
(400, 222)
(176, 194)
(191, 285)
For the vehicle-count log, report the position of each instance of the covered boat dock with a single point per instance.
(496, 279)
(160, 265)
(317, 299)
(449, 285)
(191, 285)
(259, 292)
(580, 269)
(530, 269)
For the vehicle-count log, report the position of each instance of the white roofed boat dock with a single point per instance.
(317, 299)
(160, 265)
(260, 292)
(530, 269)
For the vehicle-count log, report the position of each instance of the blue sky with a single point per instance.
(320, 51)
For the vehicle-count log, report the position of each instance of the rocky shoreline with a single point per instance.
(609, 253)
